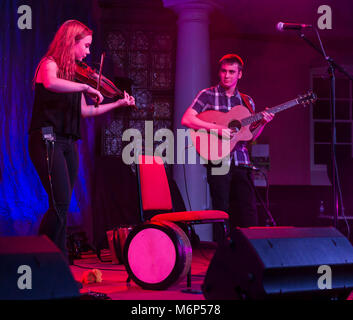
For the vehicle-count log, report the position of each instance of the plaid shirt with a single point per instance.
(215, 98)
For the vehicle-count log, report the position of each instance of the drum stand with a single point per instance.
(188, 276)
(128, 281)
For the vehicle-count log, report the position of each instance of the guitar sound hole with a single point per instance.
(234, 125)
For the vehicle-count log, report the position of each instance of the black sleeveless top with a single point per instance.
(60, 110)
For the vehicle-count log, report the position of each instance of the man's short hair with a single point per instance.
(232, 58)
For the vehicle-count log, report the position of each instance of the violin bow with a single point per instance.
(99, 77)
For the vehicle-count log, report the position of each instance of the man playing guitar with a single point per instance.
(232, 192)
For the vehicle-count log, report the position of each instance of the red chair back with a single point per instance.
(154, 186)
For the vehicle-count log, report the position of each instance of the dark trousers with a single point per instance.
(234, 193)
(64, 168)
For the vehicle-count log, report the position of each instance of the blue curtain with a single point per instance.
(23, 200)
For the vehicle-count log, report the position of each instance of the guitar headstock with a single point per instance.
(309, 97)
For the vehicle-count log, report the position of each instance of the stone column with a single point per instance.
(192, 75)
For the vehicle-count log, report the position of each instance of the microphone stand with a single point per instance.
(333, 66)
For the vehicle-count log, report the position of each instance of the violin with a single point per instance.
(95, 79)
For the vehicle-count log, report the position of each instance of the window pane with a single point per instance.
(343, 152)
(322, 153)
(344, 132)
(321, 109)
(321, 86)
(342, 88)
(322, 132)
(342, 110)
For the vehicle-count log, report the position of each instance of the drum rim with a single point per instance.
(180, 256)
(119, 252)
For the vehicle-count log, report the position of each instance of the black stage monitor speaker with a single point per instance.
(33, 268)
(281, 262)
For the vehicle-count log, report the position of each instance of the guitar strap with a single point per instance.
(246, 101)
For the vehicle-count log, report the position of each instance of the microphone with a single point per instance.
(281, 26)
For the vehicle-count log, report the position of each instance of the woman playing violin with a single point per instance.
(59, 103)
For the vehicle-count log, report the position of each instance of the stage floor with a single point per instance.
(114, 278)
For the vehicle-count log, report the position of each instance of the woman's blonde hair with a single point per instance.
(61, 49)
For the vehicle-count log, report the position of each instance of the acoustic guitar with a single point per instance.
(213, 147)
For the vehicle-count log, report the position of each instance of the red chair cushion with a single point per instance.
(192, 216)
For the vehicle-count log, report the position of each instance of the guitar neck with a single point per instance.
(258, 116)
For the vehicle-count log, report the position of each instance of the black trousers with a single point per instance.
(234, 193)
(64, 163)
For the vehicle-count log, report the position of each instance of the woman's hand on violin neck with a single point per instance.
(94, 94)
(126, 101)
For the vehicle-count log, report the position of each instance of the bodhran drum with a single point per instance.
(157, 255)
